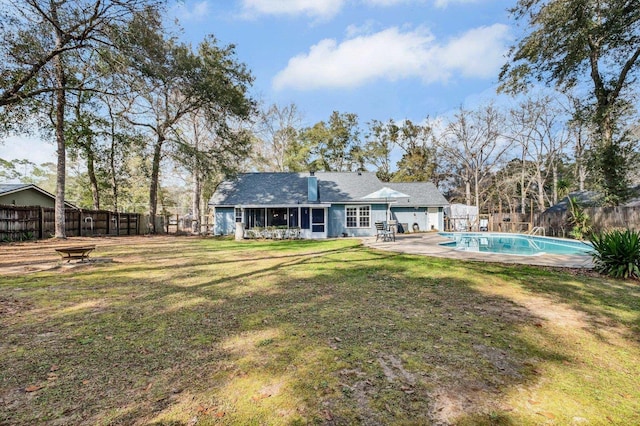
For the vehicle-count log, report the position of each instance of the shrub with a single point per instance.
(617, 253)
(578, 220)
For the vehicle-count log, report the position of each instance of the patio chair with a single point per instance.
(382, 231)
(392, 226)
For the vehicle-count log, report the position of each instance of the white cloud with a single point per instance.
(194, 12)
(386, 2)
(444, 3)
(316, 8)
(477, 53)
(392, 55)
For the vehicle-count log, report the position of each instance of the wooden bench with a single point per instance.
(81, 253)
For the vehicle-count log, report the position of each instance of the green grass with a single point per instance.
(301, 332)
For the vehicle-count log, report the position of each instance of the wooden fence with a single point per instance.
(601, 218)
(555, 223)
(24, 223)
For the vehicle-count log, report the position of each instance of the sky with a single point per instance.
(379, 59)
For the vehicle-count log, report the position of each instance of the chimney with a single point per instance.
(312, 188)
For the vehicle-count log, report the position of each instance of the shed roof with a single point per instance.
(11, 188)
(593, 199)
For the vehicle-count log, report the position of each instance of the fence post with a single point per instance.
(41, 223)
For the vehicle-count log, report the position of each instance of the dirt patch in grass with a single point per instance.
(210, 331)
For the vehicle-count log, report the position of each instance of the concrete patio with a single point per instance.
(427, 244)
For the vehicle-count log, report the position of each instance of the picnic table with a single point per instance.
(78, 252)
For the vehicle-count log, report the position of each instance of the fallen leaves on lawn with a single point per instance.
(33, 388)
(547, 414)
(260, 396)
(210, 411)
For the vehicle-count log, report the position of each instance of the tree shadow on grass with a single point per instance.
(606, 302)
(338, 336)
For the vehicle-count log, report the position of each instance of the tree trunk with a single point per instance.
(523, 191)
(91, 171)
(153, 187)
(195, 224)
(60, 103)
(112, 166)
(477, 190)
(541, 202)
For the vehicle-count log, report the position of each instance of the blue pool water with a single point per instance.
(523, 245)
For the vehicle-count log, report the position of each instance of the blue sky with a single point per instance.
(379, 59)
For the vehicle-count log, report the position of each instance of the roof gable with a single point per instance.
(12, 188)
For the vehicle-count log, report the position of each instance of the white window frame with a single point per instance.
(359, 216)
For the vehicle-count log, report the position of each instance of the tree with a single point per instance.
(584, 41)
(171, 81)
(334, 146)
(380, 141)
(277, 129)
(507, 187)
(209, 152)
(38, 41)
(472, 147)
(536, 126)
(418, 161)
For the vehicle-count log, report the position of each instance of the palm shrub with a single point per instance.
(578, 220)
(617, 253)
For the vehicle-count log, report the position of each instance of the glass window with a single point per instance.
(364, 217)
(358, 216)
(238, 215)
(317, 220)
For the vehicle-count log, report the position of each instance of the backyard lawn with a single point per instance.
(185, 331)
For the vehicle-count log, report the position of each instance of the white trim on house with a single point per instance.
(358, 217)
(273, 206)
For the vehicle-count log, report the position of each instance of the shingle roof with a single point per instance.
(8, 188)
(333, 187)
(593, 199)
(11, 187)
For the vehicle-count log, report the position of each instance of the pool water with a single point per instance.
(523, 245)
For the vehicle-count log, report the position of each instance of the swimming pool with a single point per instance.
(523, 245)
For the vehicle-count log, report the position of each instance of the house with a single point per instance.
(26, 194)
(324, 204)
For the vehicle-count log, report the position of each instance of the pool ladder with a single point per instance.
(536, 230)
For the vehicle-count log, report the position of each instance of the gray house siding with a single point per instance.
(411, 216)
(338, 221)
(225, 221)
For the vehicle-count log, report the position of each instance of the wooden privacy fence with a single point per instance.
(34, 222)
(601, 218)
(495, 222)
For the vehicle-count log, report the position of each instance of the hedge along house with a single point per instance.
(323, 204)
